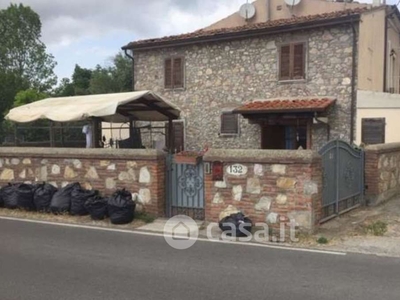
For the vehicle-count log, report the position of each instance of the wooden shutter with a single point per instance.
(168, 73)
(373, 131)
(179, 136)
(177, 73)
(229, 123)
(284, 63)
(298, 61)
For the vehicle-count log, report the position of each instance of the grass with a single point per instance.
(322, 240)
(378, 228)
(147, 218)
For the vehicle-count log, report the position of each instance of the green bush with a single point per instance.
(322, 240)
(147, 218)
(378, 228)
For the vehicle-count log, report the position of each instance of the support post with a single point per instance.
(52, 143)
(171, 139)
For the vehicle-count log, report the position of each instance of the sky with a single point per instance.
(89, 32)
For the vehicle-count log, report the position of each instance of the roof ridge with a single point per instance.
(257, 26)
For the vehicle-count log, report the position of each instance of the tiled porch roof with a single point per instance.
(314, 104)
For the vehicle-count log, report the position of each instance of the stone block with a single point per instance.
(237, 192)
(111, 167)
(131, 164)
(69, 173)
(264, 204)
(286, 183)
(7, 175)
(310, 188)
(41, 173)
(281, 199)
(92, 173)
(253, 186)
(220, 184)
(230, 210)
(279, 169)
(272, 218)
(258, 170)
(110, 183)
(104, 163)
(218, 199)
(22, 175)
(144, 175)
(26, 161)
(145, 196)
(15, 161)
(55, 169)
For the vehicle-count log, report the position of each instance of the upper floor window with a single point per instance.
(174, 73)
(229, 124)
(292, 61)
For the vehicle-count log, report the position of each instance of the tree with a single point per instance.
(22, 53)
(81, 80)
(114, 79)
(65, 89)
(24, 63)
(28, 96)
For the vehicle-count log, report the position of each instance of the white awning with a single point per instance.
(121, 107)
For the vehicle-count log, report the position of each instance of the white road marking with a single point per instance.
(162, 235)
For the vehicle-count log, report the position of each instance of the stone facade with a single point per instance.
(222, 75)
(278, 186)
(141, 172)
(382, 172)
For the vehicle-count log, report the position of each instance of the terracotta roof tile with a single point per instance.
(250, 27)
(286, 105)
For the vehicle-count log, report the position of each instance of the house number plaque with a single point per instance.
(237, 170)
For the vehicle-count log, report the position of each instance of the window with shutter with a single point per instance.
(373, 131)
(179, 136)
(174, 73)
(298, 61)
(292, 62)
(285, 63)
(168, 73)
(229, 124)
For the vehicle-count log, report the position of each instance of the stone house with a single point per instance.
(280, 84)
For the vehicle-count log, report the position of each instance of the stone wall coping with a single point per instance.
(120, 154)
(262, 156)
(383, 148)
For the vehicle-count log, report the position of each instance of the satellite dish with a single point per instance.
(292, 2)
(247, 11)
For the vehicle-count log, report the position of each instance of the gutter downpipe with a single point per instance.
(353, 83)
(385, 55)
(133, 67)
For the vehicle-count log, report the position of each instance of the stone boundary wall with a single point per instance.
(139, 171)
(382, 172)
(277, 185)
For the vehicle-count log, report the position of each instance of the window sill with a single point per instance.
(292, 81)
(228, 135)
(175, 89)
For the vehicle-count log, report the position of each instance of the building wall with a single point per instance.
(277, 9)
(139, 171)
(382, 172)
(277, 186)
(223, 75)
(371, 51)
(379, 105)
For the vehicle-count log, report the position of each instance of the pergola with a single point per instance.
(116, 108)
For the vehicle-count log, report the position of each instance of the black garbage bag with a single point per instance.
(18, 195)
(61, 201)
(79, 197)
(1, 197)
(236, 225)
(42, 196)
(121, 207)
(97, 207)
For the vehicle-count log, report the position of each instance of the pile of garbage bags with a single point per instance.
(71, 199)
(236, 225)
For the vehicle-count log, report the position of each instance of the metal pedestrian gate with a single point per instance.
(343, 178)
(185, 189)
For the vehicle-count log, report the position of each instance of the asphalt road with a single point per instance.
(46, 262)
